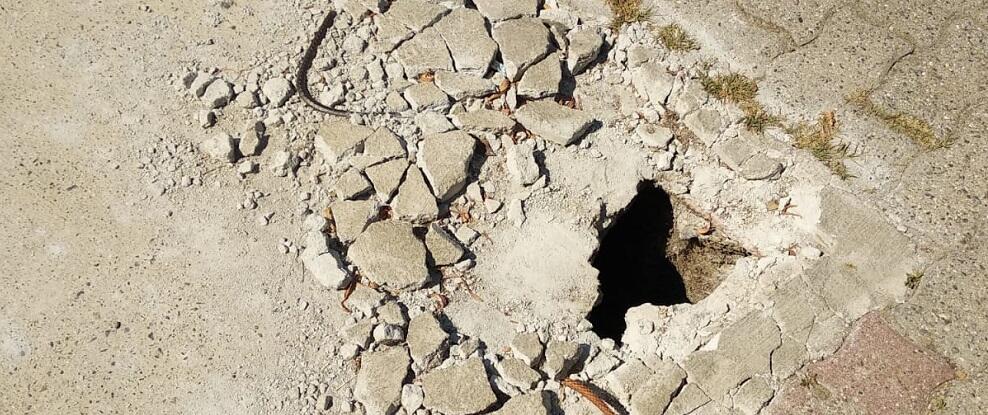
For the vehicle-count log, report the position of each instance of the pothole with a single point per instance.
(643, 258)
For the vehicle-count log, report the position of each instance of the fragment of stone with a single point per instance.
(542, 79)
(601, 365)
(535, 403)
(706, 123)
(252, 140)
(328, 270)
(199, 84)
(207, 118)
(220, 146)
(750, 162)
(628, 378)
(466, 234)
(426, 96)
(560, 357)
(424, 53)
(388, 334)
(527, 347)
(654, 136)
(412, 397)
(752, 396)
(390, 33)
(246, 100)
(516, 212)
(461, 389)
(484, 120)
(744, 350)
(380, 378)
(554, 122)
(393, 313)
(655, 394)
(365, 299)
(584, 47)
(445, 160)
(386, 177)
(395, 102)
(653, 82)
(351, 217)
(415, 14)
(415, 201)
(380, 146)
(518, 374)
(428, 343)
(465, 33)
(445, 250)
(521, 164)
(389, 254)
(351, 184)
(688, 98)
(639, 54)
(432, 122)
(217, 94)
(497, 10)
(277, 90)
(360, 333)
(523, 42)
(460, 86)
(338, 138)
(688, 400)
(283, 163)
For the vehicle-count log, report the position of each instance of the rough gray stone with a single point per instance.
(655, 394)
(688, 98)
(277, 90)
(389, 254)
(460, 86)
(328, 270)
(414, 201)
(688, 399)
(601, 365)
(484, 120)
(554, 122)
(386, 177)
(388, 334)
(521, 163)
(351, 185)
(412, 397)
(427, 341)
(200, 83)
(653, 82)
(221, 147)
(706, 123)
(465, 33)
(527, 347)
(639, 54)
(432, 123)
(523, 42)
(424, 53)
(390, 33)
(753, 395)
(217, 94)
(283, 163)
(380, 146)
(584, 47)
(338, 138)
(426, 96)
(252, 140)
(415, 14)
(497, 10)
(655, 136)
(351, 218)
(560, 357)
(379, 381)
(445, 159)
(518, 373)
(628, 378)
(393, 312)
(395, 102)
(360, 333)
(744, 350)
(536, 403)
(543, 78)
(246, 100)
(444, 248)
(462, 389)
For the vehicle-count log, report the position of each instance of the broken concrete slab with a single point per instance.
(351, 217)
(655, 136)
(390, 33)
(560, 357)
(432, 122)
(380, 146)
(445, 250)
(522, 42)
(460, 86)
(389, 254)
(465, 33)
(584, 47)
(542, 79)
(706, 123)
(484, 120)
(497, 10)
(655, 394)
(428, 343)
(416, 14)
(217, 94)
(221, 147)
(338, 138)
(420, 54)
(520, 162)
(426, 96)
(752, 396)
(653, 82)
(461, 389)
(527, 347)
(536, 403)
(628, 378)
(414, 201)
(688, 400)
(328, 270)
(386, 177)
(445, 160)
(351, 184)
(379, 380)
(554, 122)
(518, 374)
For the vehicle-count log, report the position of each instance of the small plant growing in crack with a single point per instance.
(913, 279)
(918, 130)
(628, 11)
(819, 139)
(674, 38)
(757, 118)
(732, 87)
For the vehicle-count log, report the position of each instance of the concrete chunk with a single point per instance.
(415, 14)
(351, 217)
(484, 120)
(521, 163)
(554, 122)
(523, 42)
(328, 270)
(653, 82)
(560, 357)
(655, 394)
(497, 10)
(426, 96)
(460, 86)
(414, 201)
(528, 348)
(542, 79)
(584, 47)
(445, 160)
(465, 33)
(351, 185)
(462, 389)
(389, 254)
(379, 381)
(386, 177)
(444, 248)
(338, 138)
(536, 403)
(518, 373)
(421, 54)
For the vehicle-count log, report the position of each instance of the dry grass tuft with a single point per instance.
(918, 130)
(818, 139)
(674, 38)
(756, 118)
(913, 279)
(628, 11)
(732, 87)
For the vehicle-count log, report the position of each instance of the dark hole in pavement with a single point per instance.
(632, 261)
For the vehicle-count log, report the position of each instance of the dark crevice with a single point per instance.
(632, 261)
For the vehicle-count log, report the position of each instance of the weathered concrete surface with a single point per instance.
(461, 389)
(379, 380)
(389, 253)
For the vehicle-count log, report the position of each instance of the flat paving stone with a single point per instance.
(338, 138)
(386, 177)
(542, 79)
(484, 120)
(380, 378)
(523, 42)
(465, 33)
(428, 343)
(461, 389)
(554, 122)
(389, 254)
(655, 394)
(351, 217)
(497, 10)
(535, 403)
(460, 86)
(415, 201)
(425, 52)
(445, 159)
